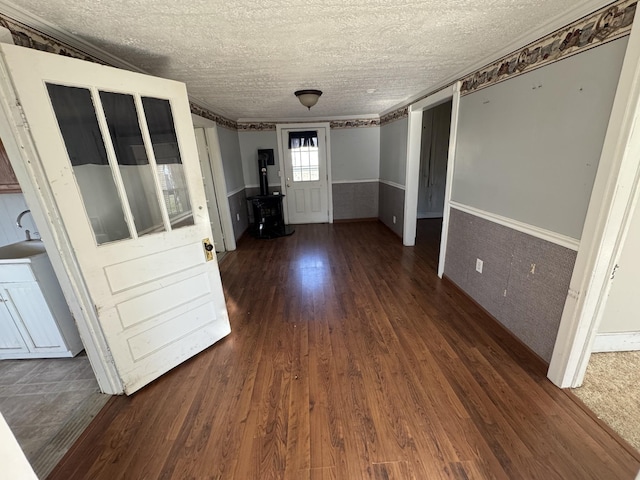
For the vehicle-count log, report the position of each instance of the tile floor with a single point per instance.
(39, 397)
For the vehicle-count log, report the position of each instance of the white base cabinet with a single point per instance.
(35, 321)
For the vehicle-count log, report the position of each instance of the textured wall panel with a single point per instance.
(355, 200)
(238, 206)
(524, 281)
(390, 204)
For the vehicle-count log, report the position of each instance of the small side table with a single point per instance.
(268, 217)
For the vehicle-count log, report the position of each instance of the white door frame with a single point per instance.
(281, 156)
(414, 142)
(219, 183)
(39, 197)
(612, 203)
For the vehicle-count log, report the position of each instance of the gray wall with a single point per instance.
(355, 157)
(239, 213)
(528, 148)
(390, 204)
(527, 300)
(393, 165)
(234, 179)
(355, 154)
(393, 151)
(231, 158)
(250, 143)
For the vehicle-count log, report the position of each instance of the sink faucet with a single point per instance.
(19, 224)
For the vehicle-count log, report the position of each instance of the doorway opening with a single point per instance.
(429, 174)
(213, 177)
(210, 190)
(434, 153)
(47, 402)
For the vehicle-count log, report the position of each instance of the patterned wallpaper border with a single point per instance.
(334, 124)
(395, 115)
(26, 36)
(256, 127)
(604, 25)
(364, 123)
(219, 119)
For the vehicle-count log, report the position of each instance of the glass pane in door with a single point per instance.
(305, 160)
(135, 170)
(78, 124)
(169, 163)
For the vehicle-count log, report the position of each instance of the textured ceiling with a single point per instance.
(245, 58)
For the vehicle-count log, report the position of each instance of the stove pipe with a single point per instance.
(262, 173)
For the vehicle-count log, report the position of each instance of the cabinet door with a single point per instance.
(11, 340)
(31, 309)
(8, 181)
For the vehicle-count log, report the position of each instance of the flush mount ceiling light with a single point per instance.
(308, 98)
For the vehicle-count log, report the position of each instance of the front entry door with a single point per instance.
(116, 150)
(306, 182)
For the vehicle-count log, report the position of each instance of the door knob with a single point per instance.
(208, 249)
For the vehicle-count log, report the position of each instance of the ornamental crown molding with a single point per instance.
(256, 126)
(604, 25)
(355, 123)
(395, 115)
(219, 119)
(333, 124)
(600, 27)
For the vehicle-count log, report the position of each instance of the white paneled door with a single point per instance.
(117, 152)
(306, 182)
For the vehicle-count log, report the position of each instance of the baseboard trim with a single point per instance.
(616, 342)
(511, 343)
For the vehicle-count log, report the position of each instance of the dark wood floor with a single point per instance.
(349, 359)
